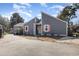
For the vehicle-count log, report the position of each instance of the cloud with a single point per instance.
(57, 7)
(76, 19)
(26, 4)
(27, 13)
(55, 15)
(22, 10)
(43, 4)
(77, 13)
(17, 7)
(7, 16)
(39, 15)
(30, 11)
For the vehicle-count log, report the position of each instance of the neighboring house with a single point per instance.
(77, 29)
(47, 25)
(1, 30)
(18, 29)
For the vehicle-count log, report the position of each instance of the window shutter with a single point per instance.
(46, 28)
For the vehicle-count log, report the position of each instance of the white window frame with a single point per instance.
(47, 28)
(27, 28)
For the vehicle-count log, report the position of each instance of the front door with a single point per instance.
(38, 29)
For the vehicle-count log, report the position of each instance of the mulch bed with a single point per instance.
(42, 38)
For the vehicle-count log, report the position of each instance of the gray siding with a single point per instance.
(56, 26)
(31, 27)
(18, 28)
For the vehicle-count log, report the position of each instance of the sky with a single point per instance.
(31, 10)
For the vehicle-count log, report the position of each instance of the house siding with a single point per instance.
(31, 26)
(18, 29)
(56, 26)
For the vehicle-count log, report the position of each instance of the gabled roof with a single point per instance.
(53, 17)
(33, 19)
(19, 24)
(39, 20)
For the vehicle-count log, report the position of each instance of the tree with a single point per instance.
(68, 13)
(15, 18)
(5, 23)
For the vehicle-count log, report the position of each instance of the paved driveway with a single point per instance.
(19, 46)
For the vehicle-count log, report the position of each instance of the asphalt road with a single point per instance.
(12, 45)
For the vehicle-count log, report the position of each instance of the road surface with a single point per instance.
(12, 45)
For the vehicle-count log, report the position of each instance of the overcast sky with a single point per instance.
(31, 10)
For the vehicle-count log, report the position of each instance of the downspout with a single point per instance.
(35, 27)
(41, 26)
(68, 28)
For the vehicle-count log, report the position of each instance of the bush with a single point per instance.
(76, 34)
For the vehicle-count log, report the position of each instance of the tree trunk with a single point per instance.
(69, 31)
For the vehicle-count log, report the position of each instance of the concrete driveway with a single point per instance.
(12, 45)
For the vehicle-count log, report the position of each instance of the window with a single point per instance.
(26, 28)
(46, 28)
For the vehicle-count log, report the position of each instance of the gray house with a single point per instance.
(30, 27)
(18, 29)
(47, 25)
(53, 26)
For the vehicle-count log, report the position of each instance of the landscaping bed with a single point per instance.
(66, 40)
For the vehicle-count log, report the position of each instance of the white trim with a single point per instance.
(25, 28)
(66, 29)
(41, 26)
(34, 28)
